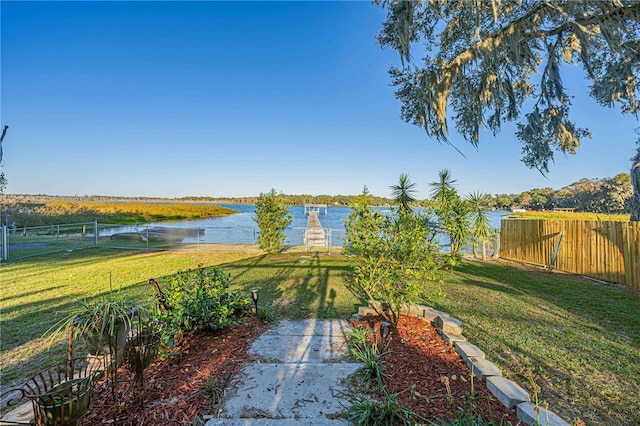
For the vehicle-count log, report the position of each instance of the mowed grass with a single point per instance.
(579, 341)
(36, 292)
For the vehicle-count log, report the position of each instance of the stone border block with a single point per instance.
(365, 311)
(448, 324)
(430, 314)
(468, 352)
(450, 339)
(526, 412)
(411, 310)
(506, 391)
(483, 368)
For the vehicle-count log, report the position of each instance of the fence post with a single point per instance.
(5, 243)
(95, 233)
(57, 237)
(329, 242)
(552, 262)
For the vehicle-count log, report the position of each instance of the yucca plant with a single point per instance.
(383, 411)
(102, 324)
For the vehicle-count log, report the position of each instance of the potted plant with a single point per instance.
(62, 394)
(142, 347)
(103, 325)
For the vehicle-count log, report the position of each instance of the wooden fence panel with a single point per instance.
(601, 249)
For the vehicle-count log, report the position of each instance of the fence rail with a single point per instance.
(20, 243)
(601, 249)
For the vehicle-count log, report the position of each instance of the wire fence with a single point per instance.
(18, 243)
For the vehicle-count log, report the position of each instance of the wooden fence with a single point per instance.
(605, 250)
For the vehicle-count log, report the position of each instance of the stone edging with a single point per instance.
(509, 393)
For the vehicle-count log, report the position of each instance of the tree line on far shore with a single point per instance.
(599, 195)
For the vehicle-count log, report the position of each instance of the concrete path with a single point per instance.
(296, 377)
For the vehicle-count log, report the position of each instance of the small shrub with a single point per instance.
(358, 337)
(212, 388)
(369, 354)
(396, 258)
(386, 411)
(272, 217)
(266, 314)
(199, 299)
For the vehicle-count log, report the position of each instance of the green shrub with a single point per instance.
(396, 258)
(272, 217)
(200, 299)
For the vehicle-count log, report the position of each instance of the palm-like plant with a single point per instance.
(457, 222)
(403, 193)
(442, 189)
(480, 226)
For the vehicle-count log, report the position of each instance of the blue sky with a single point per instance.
(235, 98)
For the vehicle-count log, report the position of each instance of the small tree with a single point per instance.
(396, 256)
(481, 229)
(272, 217)
(451, 210)
(403, 193)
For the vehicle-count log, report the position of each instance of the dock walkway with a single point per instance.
(314, 235)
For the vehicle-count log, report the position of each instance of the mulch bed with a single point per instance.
(174, 394)
(418, 364)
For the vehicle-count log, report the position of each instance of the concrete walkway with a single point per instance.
(296, 377)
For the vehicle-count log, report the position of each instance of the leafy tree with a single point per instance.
(615, 194)
(487, 60)
(542, 199)
(396, 256)
(272, 217)
(403, 193)
(481, 228)
(362, 226)
(503, 201)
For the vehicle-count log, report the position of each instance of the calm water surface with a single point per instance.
(240, 228)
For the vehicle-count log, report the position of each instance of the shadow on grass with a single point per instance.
(580, 340)
(296, 285)
(611, 308)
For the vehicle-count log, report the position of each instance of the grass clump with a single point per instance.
(384, 411)
(378, 406)
(367, 352)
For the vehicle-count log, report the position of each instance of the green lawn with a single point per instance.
(580, 341)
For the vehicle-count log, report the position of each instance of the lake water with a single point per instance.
(240, 228)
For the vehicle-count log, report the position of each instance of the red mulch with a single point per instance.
(418, 357)
(172, 392)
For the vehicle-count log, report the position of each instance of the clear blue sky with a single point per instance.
(235, 98)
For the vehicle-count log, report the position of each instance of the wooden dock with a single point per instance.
(308, 208)
(314, 235)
